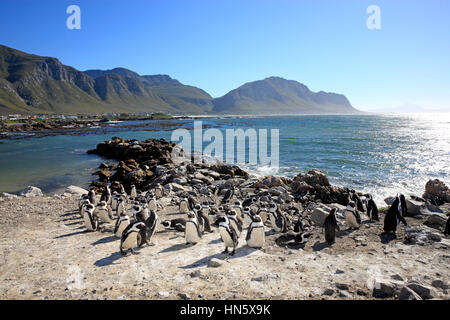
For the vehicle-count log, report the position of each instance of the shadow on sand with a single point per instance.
(105, 240)
(320, 246)
(72, 234)
(240, 252)
(387, 237)
(108, 260)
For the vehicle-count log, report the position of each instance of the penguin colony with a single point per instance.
(235, 214)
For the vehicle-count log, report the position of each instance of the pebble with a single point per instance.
(214, 263)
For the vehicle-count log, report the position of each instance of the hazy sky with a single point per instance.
(218, 45)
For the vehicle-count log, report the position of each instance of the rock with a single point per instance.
(328, 292)
(416, 207)
(176, 187)
(440, 284)
(163, 294)
(277, 191)
(184, 296)
(341, 286)
(423, 291)
(179, 181)
(7, 196)
(389, 200)
(31, 191)
(196, 274)
(214, 263)
(436, 221)
(384, 288)
(408, 294)
(421, 235)
(436, 192)
(74, 190)
(318, 216)
(345, 294)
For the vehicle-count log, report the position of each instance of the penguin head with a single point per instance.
(90, 207)
(102, 204)
(256, 218)
(272, 207)
(223, 220)
(247, 210)
(191, 215)
(139, 226)
(231, 213)
(205, 204)
(197, 207)
(332, 212)
(166, 223)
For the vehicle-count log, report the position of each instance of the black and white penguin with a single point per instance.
(192, 233)
(246, 211)
(91, 196)
(264, 214)
(151, 224)
(403, 205)
(90, 218)
(228, 235)
(178, 224)
(139, 213)
(121, 223)
(202, 219)
(228, 195)
(104, 212)
(357, 200)
(152, 203)
(277, 219)
(235, 221)
(122, 190)
(247, 201)
(120, 206)
(184, 205)
(106, 195)
(352, 217)
(255, 234)
(237, 206)
(129, 238)
(331, 226)
(83, 204)
(372, 209)
(447, 227)
(133, 192)
(394, 216)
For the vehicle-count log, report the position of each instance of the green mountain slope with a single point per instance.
(276, 95)
(35, 84)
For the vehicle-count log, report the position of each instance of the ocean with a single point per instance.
(380, 154)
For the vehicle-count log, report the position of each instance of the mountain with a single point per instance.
(276, 95)
(36, 84)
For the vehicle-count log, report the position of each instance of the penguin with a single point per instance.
(104, 212)
(91, 196)
(394, 216)
(255, 234)
(277, 219)
(192, 232)
(114, 201)
(202, 218)
(121, 223)
(247, 202)
(192, 202)
(83, 204)
(90, 218)
(228, 195)
(331, 226)
(447, 227)
(106, 195)
(352, 217)
(403, 205)
(372, 209)
(129, 238)
(357, 200)
(178, 224)
(263, 214)
(139, 213)
(151, 223)
(133, 192)
(122, 190)
(247, 215)
(184, 205)
(235, 222)
(82, 201)
(227, 234)
(205, 207)
(152, 203)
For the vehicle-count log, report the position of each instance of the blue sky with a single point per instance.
(218, 45)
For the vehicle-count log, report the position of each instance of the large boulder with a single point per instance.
(421, 235)
(74, 190)
(31, 191)
(318, 216)
(436, 221)
(436, 192)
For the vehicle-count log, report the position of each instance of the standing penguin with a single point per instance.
(357, 200)
(90, 218)
(91, 196)
(122, 223)
(352, 217)
(331, 226)
(235, 222)
(403, 205)
(255, 235)
(184, 205)
(228, 195)
(247, 215)
(228, 235)
(394, 216)
(129, 238)
(133, 192)
(192, 232)
(372, 209)
(106, 195)
(104, 212)
(120, 206)
(152, 204)
(151, 224)
(277, 219)
(139, 213)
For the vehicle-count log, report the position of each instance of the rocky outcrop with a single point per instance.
(436, 192)
(31, 191)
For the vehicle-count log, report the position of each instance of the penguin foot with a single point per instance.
(225, 251)
(232, 253)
